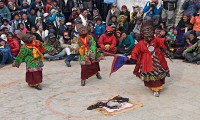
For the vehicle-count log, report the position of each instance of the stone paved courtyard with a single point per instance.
(62, 97)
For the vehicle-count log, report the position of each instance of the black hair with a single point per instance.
(124, 32)
(20, 24)
(84, 9)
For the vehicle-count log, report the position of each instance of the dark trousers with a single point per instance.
(71, 57)
(191, 58)
(6, 57)
(123, 51)
(106, 8)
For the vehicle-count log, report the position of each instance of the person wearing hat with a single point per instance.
(62, 27)
(122, 23)
(107, 42)
(99, 27)
(124, 11)
(5, 53)
(74, 14)
(89, 55)
(5, 23)
(32, 53)
(151, 64)
(113, 11)
(6, 13)
(54, 42)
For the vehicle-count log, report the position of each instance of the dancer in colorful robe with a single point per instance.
(32, 54)
(89, 55)
(151, 65)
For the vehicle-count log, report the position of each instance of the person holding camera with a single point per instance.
(152, 11)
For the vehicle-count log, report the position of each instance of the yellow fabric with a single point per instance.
(156, 89)
(36, 52)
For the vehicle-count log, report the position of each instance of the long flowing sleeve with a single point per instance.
(21, 56)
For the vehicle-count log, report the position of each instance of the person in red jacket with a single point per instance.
(107, 42)
(13, 43)
(48, 6)
(151, 65)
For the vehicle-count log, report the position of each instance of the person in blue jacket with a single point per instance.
(99, 27)
(153, 10)
(126, 44)
(191, 7)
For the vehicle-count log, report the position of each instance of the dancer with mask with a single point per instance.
(151, 65)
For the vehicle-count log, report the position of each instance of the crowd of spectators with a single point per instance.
(115, 30)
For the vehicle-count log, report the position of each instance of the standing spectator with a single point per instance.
(48, 6)
(168, 12)
(106, 6)
(124, 11)
(113, 11)
(4, 12)
(38, 6)
(152, 10)
(190, 7)
(87, 4)
(67, 8)
(107, 41)
(13, 43)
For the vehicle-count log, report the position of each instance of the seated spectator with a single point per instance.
(38, 5)
(99, 27)
(54, 6)
(5, 30)
(5, 23)
(192, 39)
(107, 41)
(22, 28)
(96, 14)
(39, 22)
(13, 42)
(136, 30)
(184, 24)
(113, 21)
(126, 44)
(55, 16)
(67, 8)
(4, 9)
(152, 10)
(118, 36)
(73, 15)
(72, 48)
(12, 8)
(15, 22)
(33, 32)
(122, 23)
(26, 21)
(195, 20)
(41, 32)
(192, 54)
(114, 11)
(32, 16)
(158, 30)
(135, 13)
(52, 41)
(190, 7)
(25, 6)
(5, 54)
(62, 27)
(124, 11)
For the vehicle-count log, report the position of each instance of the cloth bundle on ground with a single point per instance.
(114, 105)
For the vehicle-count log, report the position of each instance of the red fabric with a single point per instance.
(111, 50)
(105, 39)
(89, 70)
(109, 28)
(37, 44)
(144, 57)
(48, 6)
(34, 78)
(14, 46)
